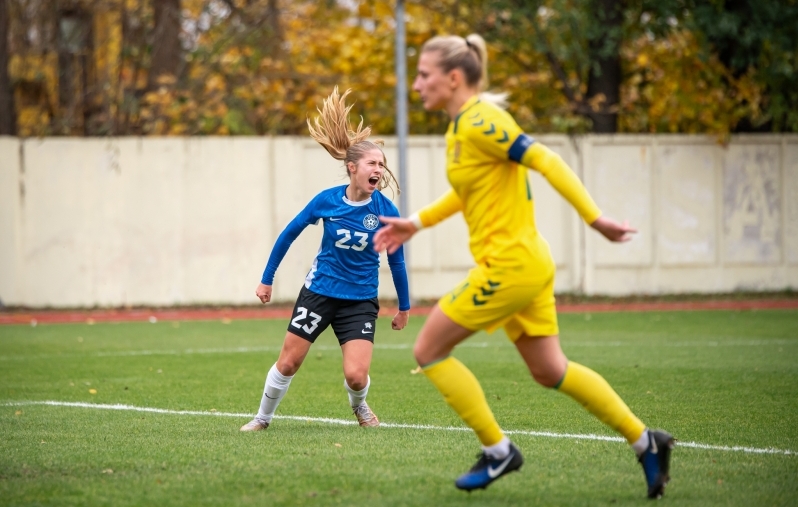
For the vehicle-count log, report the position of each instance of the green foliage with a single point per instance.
(671, 87)
(263, 66)
(758, 37)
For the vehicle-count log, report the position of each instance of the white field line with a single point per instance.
(343, 422)
(401, 346)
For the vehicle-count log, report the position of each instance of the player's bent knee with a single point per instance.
(288, 366)
(357, 381)
(547, 374)
(423, 356)
(548, 377)
(355, 385)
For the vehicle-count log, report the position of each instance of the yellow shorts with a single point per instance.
(521, 300)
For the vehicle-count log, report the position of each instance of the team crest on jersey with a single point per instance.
(371, 222)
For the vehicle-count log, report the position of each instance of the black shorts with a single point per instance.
(351, 320)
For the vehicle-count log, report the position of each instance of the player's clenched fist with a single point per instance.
(264, 293)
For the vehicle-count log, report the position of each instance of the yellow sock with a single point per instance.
(595, 394)
(462, 392)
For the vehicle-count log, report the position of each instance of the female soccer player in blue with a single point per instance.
(341, 287)
(512, 284)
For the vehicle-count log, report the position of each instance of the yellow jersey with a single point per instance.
(487, 155)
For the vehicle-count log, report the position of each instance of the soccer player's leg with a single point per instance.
(453, 379)
(293, 353)
(653, 448)
(311, 316)
(355, 325)
(480, 302)
(463, 393)
(536, 336)
(357, 359)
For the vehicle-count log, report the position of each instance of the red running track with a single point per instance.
(34, 317)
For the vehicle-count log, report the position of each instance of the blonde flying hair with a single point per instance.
(469, 54)
(333, 131)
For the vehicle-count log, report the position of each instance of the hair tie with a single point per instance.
(474, 48)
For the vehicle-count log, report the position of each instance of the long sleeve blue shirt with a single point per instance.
(346, 267)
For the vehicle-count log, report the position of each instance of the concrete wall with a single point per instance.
(160, 221)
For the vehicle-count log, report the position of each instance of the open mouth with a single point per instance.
(374, 180)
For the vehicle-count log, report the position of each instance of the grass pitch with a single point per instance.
(724, 383)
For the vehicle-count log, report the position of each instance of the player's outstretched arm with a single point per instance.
(264, 293)
(400, 320)
(613, 230)
(396, 232)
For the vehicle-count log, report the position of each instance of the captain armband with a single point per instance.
(519, 147)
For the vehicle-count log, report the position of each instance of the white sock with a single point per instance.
(498, 451)
(274, 390)
(641, 444)
(356, 398)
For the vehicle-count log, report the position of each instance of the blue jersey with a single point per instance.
(346, 267)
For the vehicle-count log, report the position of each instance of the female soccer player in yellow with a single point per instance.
(512, 284)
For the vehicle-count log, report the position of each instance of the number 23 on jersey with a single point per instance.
(361, 240)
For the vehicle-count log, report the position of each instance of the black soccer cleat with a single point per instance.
(488, 469)
(656, 461)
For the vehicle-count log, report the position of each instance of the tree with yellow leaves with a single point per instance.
(255, 67)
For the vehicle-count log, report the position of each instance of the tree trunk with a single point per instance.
(8, 117)
(604, 81)
(74, 56)
(274, 26)
(166, 51)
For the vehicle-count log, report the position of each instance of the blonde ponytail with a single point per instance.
(469, 54)
(332, 130)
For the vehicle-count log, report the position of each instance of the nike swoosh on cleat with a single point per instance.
(495, 472)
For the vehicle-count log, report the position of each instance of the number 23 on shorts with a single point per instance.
(302, 314)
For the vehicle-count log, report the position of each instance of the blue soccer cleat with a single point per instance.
(656, 461)
(489, 469)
